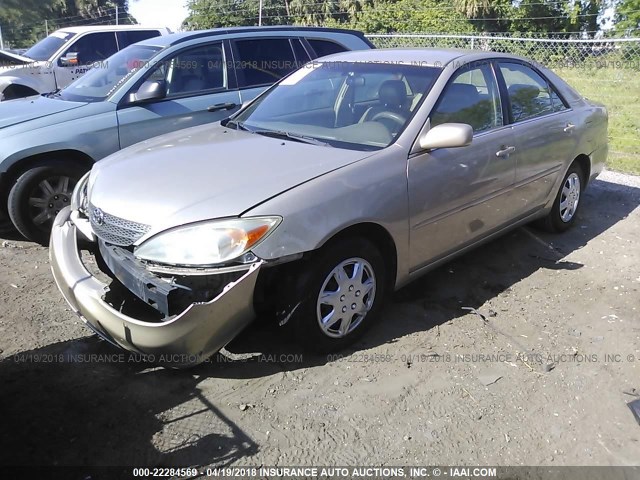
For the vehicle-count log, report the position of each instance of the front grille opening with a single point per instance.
(190, 288)
(120, 298)
(115, 230)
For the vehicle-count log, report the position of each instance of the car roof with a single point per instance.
(181, 37)
(426, 57)
(102, 28)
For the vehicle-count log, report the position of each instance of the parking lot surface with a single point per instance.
(525, 351)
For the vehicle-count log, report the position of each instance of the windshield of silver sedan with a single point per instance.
(355, 105)
(107, 76)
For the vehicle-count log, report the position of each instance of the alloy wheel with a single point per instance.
(346, 296)
(570, 197)
(49, 197)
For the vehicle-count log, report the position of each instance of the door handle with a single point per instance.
(505, 151)
(569, 127)
(222, 106)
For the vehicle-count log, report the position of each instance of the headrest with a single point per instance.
(392, 93)
(458, 96)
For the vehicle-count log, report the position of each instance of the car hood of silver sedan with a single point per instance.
(24, 109)
(205, 172)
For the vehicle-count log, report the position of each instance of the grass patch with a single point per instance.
(619, 90)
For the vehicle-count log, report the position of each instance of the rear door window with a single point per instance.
(263, 61)
(529, 94)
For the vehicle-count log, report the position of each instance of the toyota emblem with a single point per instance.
(98, 217)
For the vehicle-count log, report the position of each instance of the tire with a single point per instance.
(565, 208)
(39, 194)
(319, 276)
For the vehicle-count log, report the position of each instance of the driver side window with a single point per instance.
(92, 48)
(190, 72)
(471, 97)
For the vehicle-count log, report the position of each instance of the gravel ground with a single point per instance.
(524, 352)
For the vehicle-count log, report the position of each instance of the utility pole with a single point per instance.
(260, 15)
(46, 27)
(116, 14)
(1, 42)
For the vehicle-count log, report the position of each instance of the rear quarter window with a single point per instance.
(325, 47)
(127, 38)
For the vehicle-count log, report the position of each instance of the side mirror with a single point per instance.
(69, 60)
(150, 90)
(447, 135)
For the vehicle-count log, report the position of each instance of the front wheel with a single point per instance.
(565, 207)
(340, 294)
(38, 196)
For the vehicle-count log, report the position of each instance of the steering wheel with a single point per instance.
(396, 117)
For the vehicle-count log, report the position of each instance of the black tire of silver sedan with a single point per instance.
(565, 208)
(38, 195)
(340, 294)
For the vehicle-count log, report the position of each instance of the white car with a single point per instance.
(65, 55)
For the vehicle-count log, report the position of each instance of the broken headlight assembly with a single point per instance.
(79, 195)
(206, 243)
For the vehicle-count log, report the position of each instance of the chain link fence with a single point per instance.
(552, 52)
(604, 70)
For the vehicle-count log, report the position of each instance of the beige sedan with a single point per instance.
(346, 180)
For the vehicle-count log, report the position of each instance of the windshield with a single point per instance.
(105, 78)
(362, 106)
(45, 48)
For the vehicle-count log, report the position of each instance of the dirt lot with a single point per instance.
(524, 381)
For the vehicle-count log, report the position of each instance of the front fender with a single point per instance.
(32, 83)
(94, 135)
(373, 190)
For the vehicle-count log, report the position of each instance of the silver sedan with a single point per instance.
(346, 180)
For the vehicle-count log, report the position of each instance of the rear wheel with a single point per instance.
(340, 294)
(564, 212)
(38, 196)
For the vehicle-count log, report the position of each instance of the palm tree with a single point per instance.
(471, 8)
(351, 6)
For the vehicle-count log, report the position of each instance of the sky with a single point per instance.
(159, 13)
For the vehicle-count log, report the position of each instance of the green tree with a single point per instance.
(229, 13)
(628, 17)
(314, 12)
(472, 8)
(583, 14)
(410, 16)
(23, 21)
(538, 16)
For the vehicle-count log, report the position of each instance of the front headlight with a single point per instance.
(207, 243)
(79, 195)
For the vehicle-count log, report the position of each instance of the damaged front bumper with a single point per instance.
(187, 338)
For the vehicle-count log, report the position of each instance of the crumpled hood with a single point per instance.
(8, 58)
(25, 109)
(204, 173)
